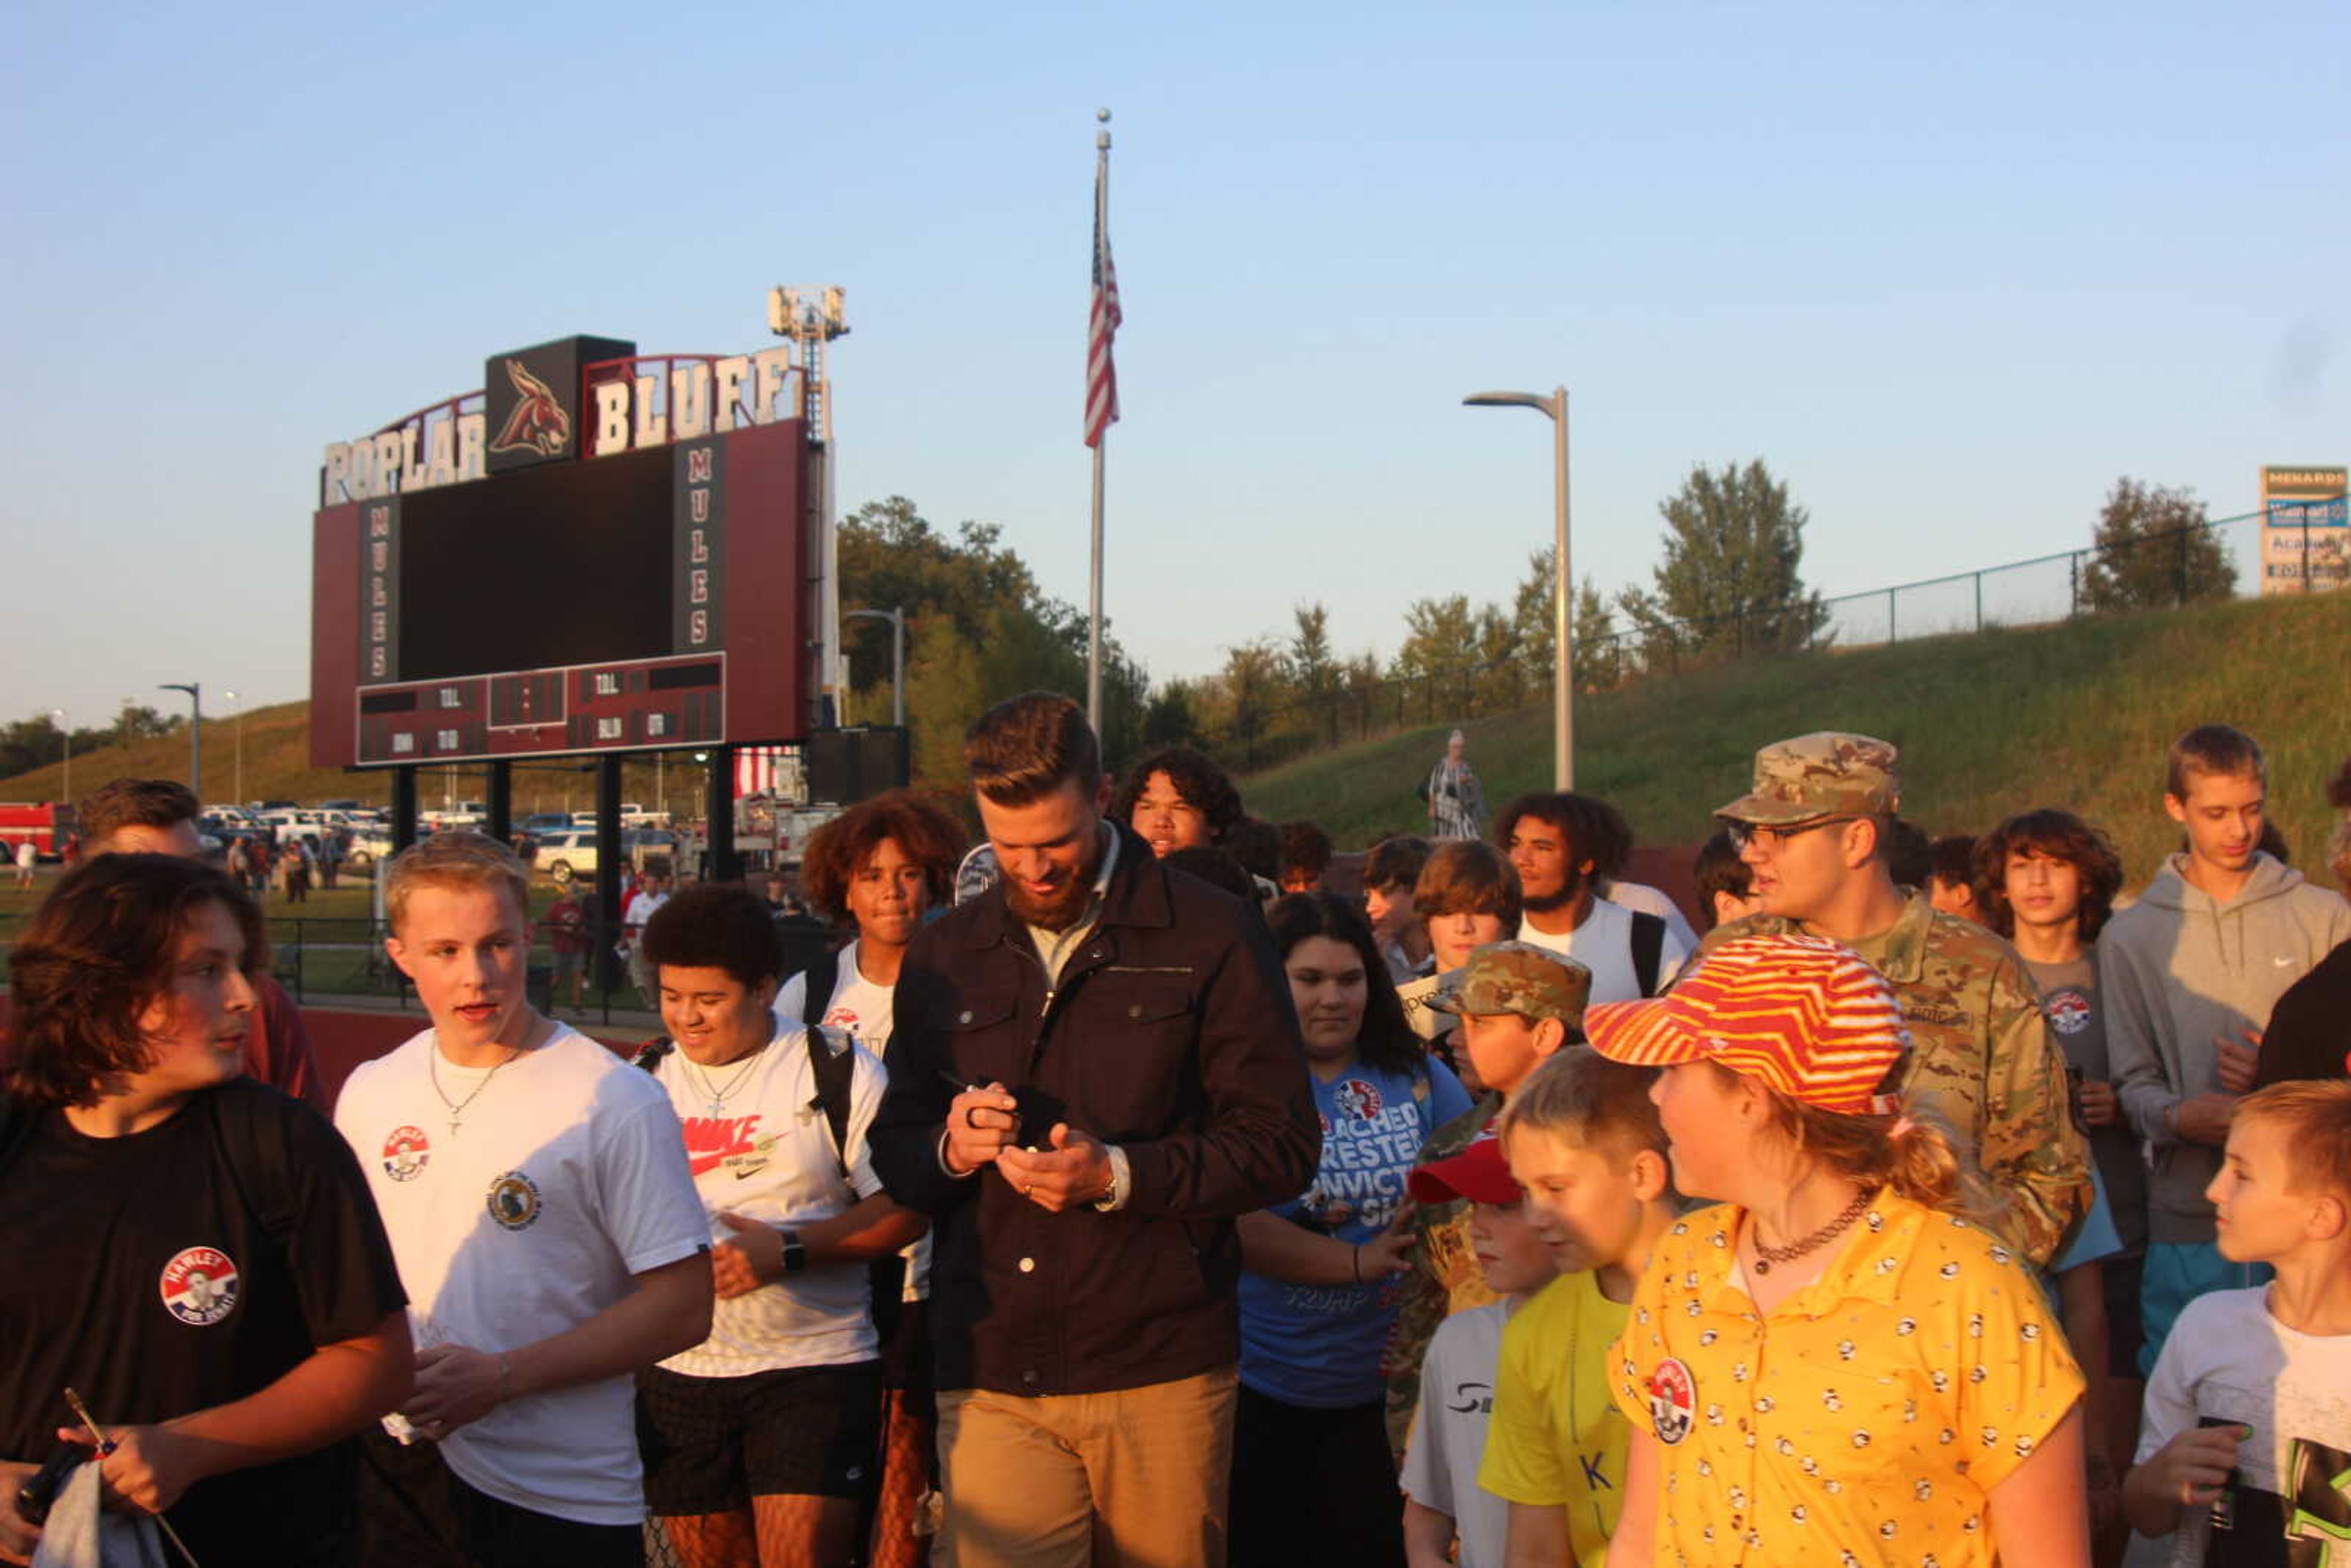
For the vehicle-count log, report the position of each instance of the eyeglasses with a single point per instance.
(1743, 834)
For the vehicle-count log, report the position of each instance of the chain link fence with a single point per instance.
(2211, 560)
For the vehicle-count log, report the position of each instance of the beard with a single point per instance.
(1571, 888)
(1057, 911)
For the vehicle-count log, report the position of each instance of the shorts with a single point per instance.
(713, 1444)
(569, 964)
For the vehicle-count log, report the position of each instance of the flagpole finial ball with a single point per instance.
(1102, 115)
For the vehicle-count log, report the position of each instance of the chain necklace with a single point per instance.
(718, 1096)
(1766, 1256)
(457, 1107)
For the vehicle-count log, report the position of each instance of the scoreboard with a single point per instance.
(488, 592)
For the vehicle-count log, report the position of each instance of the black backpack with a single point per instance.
(1648, 950)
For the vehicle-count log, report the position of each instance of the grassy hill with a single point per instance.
(276, 767)
(2075, 715)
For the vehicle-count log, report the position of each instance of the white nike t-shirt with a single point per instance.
(766, 1154)
(566, 1176)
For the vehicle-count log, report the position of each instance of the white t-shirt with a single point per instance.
(768, 1155)
(567, 1176)
(643, 907)
(1449, 1434)
(1642, 899)
(1604, 945)
(857, 1004)
(2228, 1358)
(865, 1010)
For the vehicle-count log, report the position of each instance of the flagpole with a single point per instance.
(1102, 447)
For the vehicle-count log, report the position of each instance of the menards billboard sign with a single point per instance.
(2305, 529)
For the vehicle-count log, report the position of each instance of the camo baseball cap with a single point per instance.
(1516, 978)
(1828, 773)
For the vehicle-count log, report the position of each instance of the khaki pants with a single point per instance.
(1133, 1478)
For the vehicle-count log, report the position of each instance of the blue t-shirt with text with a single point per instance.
(1318, 1345)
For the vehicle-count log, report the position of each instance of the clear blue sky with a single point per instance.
(1949, 271)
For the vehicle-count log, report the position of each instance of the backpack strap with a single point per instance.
(833, 1062)
(236, 1128)
(817, 982)
(648, 1055)
(1648, 950)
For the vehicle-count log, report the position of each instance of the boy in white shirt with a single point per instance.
(1442, 1498)
(760, 1443)
(536, 1196)
(2246, 1439)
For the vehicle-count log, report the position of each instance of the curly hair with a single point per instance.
(95, 956)
(1385, 1040)
(1198, 783)
(717, 925)
(2059, 836)
(923, 832)
(1596, 831)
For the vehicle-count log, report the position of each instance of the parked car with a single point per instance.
(566, 853)
(366, 844)
(538, 824)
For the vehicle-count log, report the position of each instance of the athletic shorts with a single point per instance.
(568, 964)
(713, 1444)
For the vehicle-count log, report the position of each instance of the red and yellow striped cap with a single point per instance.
(1806, 1016)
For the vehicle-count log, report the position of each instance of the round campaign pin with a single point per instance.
(1673, 1400)
(199, 1286)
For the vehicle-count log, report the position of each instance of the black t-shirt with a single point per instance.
(2310, 1029)
(185, 1267)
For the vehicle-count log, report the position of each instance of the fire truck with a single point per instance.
(47, 824)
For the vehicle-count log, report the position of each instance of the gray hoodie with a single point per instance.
(2181, 972)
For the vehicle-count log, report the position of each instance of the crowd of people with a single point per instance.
(1126, 1188)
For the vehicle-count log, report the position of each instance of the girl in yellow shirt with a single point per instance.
(1835, 1364)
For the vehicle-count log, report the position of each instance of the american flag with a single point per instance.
(1102, 374)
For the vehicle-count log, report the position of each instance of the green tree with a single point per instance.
(1439, 634)
(1171, 717)
(1730, 580)
(1599, 663)
(1313, 669)
(2153, 546)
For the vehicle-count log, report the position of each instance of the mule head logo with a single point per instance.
(537, 422)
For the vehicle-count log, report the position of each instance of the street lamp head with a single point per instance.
(1541, 403)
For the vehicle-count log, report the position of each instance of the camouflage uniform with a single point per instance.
(1981, 1054)
(1501, 978)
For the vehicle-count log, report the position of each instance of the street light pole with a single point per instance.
(238, 789)
(196, 690)
(66, 729)
(897, 619)
(1554, 406)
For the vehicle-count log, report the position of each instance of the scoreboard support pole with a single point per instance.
(608, 872)
(501, 802)
(403, 811)
(721, 861)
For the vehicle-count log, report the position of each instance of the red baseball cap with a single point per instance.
(1477, 1173)
(1807, 1015)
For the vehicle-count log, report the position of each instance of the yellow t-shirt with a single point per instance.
(1869, 1415)
(1555, 1437)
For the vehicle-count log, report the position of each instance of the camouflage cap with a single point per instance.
(1825, 774)
(1516, 978)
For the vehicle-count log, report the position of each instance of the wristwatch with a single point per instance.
(795, 1251)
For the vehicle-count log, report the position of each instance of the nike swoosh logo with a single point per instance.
(2283, 963)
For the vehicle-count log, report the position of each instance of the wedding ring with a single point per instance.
(971, 1118)
(1027, 1190)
